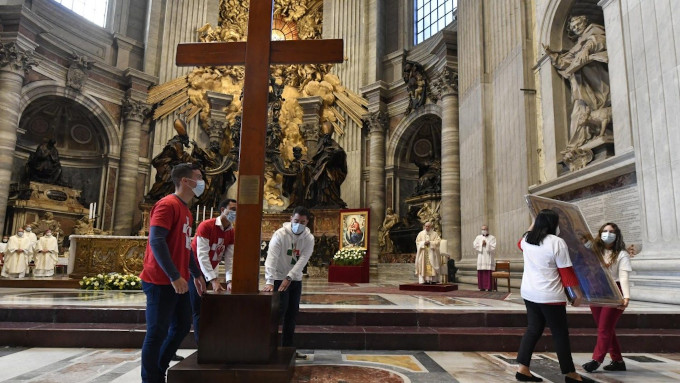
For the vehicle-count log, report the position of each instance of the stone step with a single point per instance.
(334, 317)
(507, 339)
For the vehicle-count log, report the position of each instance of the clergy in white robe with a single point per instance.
(428, 257)
(28, 232)
(485, 245)
(3, 246)
(46, 255)
(16, 256)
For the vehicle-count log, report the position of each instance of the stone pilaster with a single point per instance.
(14, 63)
(218, 116)
(311, 115)
(447, 86)
(376, 123)
(134, 112)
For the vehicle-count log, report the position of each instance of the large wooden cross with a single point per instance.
(257, 54)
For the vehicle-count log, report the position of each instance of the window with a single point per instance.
(92, 10)
(431, 16)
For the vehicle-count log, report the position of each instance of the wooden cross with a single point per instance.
(257, 54)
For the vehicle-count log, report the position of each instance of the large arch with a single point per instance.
(406, 128)
(39, 89)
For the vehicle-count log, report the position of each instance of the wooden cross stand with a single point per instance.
(238, 331)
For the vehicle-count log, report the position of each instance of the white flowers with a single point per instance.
(349, 256)
(111, 281)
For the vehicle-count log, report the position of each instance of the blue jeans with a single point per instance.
(289, 305)
(168, 321)
(195, 308)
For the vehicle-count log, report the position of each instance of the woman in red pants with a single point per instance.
(609, 243)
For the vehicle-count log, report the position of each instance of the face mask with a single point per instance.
(297, 228)
(199, 188)
(608, 238)
(20, 234)
(28, 229)
(485, 232)
(231, 216)
(48, 234)
(557, 231)
(4, 240)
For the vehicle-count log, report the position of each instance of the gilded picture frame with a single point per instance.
(599, 289)
(354, 228)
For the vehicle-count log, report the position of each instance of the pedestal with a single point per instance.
(238, 342)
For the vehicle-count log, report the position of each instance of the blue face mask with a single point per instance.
(297, 228)
(199, 188)
(608, 237)
(231, 216)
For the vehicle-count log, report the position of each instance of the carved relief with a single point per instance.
(78, 71)
(447, 82)
(376, 121)
(134, 109)
(16, 58)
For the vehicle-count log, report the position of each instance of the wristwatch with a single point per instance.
(288, 278)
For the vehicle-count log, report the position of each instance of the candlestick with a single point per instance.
(197, 217)
(211, 212)
(203, 213)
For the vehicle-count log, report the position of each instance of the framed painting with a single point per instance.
(598, 287)
(354, 224)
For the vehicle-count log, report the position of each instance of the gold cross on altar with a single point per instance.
(256, 54)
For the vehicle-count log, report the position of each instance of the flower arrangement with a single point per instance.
(349, 256)
(111, 281)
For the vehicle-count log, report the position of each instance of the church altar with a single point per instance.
(90, 255)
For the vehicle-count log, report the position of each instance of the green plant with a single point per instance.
(111, 281)
(349, 256)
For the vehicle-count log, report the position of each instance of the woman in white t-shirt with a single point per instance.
(547, 272)
(609, 243)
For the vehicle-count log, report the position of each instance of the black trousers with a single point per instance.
(289, 305)
(538, 314)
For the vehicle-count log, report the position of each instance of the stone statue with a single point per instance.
(430, 213)
(43, 165)
(85, 226)
(416, 83)
(173, 153)
(295, 187)
(429, 177)
(47, 222)
(585, 67)
(328, 171)
(384, 240)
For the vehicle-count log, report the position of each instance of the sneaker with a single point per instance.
(177, 358)
(300, 356)
(616, 365)
(591, 366)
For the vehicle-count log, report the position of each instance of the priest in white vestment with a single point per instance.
(46, 255)
(28, 232)
(485, 245)
(17, 255)
(3, 246)
(428, 258)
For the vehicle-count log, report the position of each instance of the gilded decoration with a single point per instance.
(293, 19)
(101, 255)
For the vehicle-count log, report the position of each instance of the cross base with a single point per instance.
(279, 369)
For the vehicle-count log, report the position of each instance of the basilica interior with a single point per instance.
(448, 112)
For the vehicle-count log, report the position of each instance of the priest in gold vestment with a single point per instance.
(428, 257)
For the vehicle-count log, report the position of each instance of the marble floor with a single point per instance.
(58, 365)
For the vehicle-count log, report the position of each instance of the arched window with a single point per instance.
(431, 16)
(92, 10)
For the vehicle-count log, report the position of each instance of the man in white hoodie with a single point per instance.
(289, 250)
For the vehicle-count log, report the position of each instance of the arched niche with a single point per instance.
(556, 103)
(416, 138)
(80, 137)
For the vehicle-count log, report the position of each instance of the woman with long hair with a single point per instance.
(610, 245)
(547, 273)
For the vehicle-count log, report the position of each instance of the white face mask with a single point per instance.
(608, 238)
(48, 234)
(485, 232)
(28, 229)
(199, 188)
(20, 234)
(557, 231)
(297, 228)
(231, 216)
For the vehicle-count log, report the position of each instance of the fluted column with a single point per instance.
(377, 126)
(134, 112)
(14, 63)
(447, 84)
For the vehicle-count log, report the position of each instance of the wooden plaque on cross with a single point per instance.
(256, 54)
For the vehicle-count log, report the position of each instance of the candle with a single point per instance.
(443, 247)
(203, 213)
(197, 207)
(89, 212)
(211, 211)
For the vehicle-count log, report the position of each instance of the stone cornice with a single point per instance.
(16, 59)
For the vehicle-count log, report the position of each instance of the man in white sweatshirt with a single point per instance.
(289, 250)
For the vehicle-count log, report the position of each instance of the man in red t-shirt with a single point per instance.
(214, 239)
(167, 264)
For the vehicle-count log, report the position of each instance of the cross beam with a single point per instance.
(256, 54)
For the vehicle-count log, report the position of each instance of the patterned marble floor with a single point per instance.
(55, 365)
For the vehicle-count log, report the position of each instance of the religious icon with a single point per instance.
(599, 289)
(354, 228)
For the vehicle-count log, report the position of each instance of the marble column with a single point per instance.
(134, 112)
(311, 116)
(377, 126)
(14, 64)
(447, 84)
